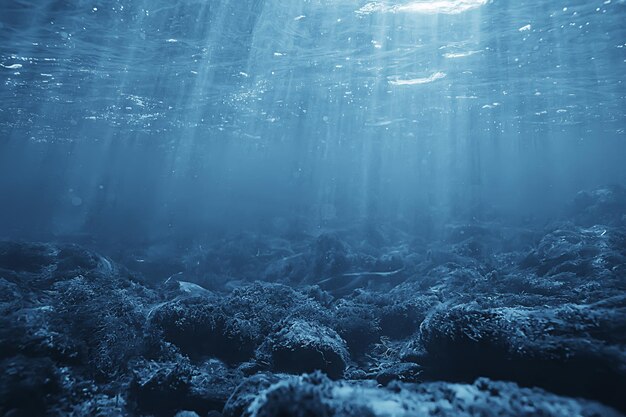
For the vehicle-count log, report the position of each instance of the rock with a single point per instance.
(251, 368)
(26, 257)
(539, 307)
(107, 317)
(186, 414)
(71, 305)
(300, 346)
(40, 265)
(317, 396)
(233, 326)
(160, 388)
(330, 256)
(163, 388)
(300, 397)
(246, 393)
(241, 257)
(200, 328)
(605, 206)
(572, 350)
(357, 323)
(28, 386)
(594, 252)
(212, 383)
(404, 310)
(263, 305)
(398, 371)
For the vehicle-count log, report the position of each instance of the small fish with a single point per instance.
(344, 284)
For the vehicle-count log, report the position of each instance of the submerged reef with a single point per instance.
(487, 320)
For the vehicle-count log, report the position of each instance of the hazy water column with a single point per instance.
(178, 117)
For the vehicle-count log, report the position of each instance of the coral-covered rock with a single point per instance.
(40, 265)
(160, 388)
(233, 326)
(573, 349)
(246, 393)
(398, 371)
(71, 305)
(357, 323)
(107, 316)
(81, 335)
(594, 252)
(163, 388)
(262, 305)
(200, 328)
(28, 386)
(300, 346)
(316, 396)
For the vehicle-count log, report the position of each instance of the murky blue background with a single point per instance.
(135, 120)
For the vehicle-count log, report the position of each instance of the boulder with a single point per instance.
(317, 396)
(300, 346)
(572, 350)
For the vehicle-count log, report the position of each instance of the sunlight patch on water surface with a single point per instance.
(417, 81)
(424, 7)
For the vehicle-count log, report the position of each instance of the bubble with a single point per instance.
(77, 201)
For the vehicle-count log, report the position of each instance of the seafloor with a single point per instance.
(489, 320)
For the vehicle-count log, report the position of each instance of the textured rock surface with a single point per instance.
(300, 346)
(314, 395)
(401, 325)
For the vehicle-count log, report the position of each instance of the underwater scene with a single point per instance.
(313, 208)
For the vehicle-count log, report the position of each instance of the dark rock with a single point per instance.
(317, 396)
(26, 257)
(289, 268)
(330, 256)
(211, 384)
(73, 306)
(251, 368)
(246, 393)
(231, 327)
(300, 346)
(569, 350)
(40, 265)
(263, 305)
(163, 388)
(398, 371)
(160, 388)
(591, 252)
(538, 307)
(186, 414)
(202, 329)
(242, 257)
(456, 233)
(302, 397)
(357, 324)
(107, 315)
(28, 386)
(405, 309)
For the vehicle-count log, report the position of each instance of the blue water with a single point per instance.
(135, 120)
(313, 208)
